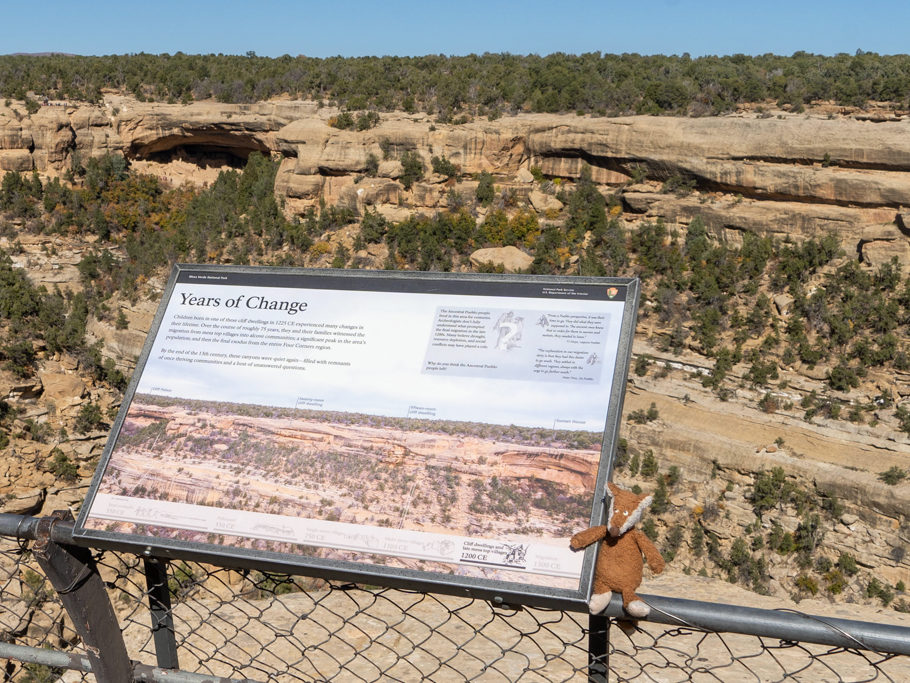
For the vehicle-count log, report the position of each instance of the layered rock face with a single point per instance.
(797, 177)
(788, 175)
(793, 176)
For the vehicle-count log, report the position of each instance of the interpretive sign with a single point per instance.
(446, 432)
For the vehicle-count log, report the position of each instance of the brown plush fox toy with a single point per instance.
(619, 564)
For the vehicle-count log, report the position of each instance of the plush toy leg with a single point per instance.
(599, 602)
(638, 609)
(635, 606)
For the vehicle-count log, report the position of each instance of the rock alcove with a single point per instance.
(196, 158)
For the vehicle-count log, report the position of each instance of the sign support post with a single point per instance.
(74, 575)
(156, 581)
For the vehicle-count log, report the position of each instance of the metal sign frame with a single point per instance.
(226, 341)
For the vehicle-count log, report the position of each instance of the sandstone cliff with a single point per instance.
(789, 175)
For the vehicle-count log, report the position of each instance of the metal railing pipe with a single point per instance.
(40, 655)
(781, 624)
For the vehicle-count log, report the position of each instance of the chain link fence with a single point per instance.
(187, 621)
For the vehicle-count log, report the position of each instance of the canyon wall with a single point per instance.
(793, 176)
(785, 174)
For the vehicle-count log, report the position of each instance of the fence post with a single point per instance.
(74, 575)
(162, 616)
(598, 648)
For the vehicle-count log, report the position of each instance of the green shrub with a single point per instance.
(485, 192)
(443, 166)
(621, 455)
(35, 590)
(847, 564)
(835, 581)
(807, 584)
(642, 416)
(89, 418)
(679, 185)
(672, 542)
(903, 418)
(20, 358)
(344, 121)
(697, 540)
(769, 403)
(877, 589)
(893, 475)
(367, 120)
(808, 534)
(770, 490)
(62, 467)
(36, 431)
(661, 500)
(649, 528)
(842, 377)
(182, 581)
(642, 363)
(372, 165)
(649, 465)
(412, 169)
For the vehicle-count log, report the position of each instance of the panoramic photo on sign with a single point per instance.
(446, 425)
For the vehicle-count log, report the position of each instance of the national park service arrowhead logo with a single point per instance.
(612, 292)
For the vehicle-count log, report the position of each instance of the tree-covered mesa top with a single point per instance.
(488, 84)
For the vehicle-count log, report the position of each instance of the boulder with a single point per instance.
(393, 213)
(373, 191)
(23, 389)
(390, 168)
(15, 160)
(53, 134)
(512, 259)
(543, 202)
(122, 346)
(299, 186)
(63, 389)
(335, 187)
(783, 302)
(428, 195)
(23, 501)
(879, 252)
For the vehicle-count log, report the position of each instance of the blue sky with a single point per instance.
(405, 28)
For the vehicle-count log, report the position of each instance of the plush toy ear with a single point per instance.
(609, 500)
